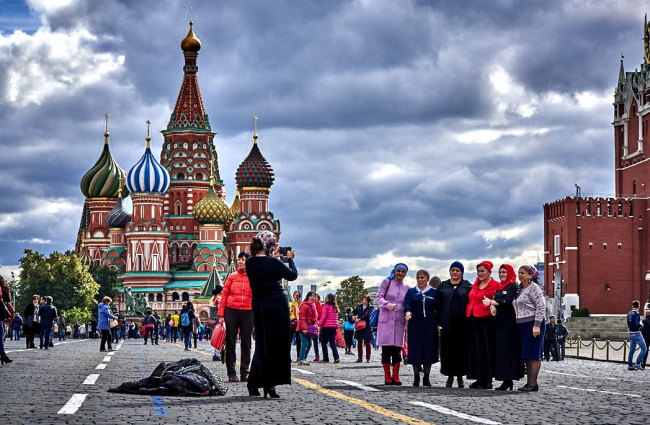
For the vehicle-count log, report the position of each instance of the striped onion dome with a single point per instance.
(102, 180)
(255, 171)
(147, 175)
(86, 260)
(211, 209)
(118, 217)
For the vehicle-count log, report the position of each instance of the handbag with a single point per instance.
(312, 331)
(4, 312)
(171, 322)
(28, 322)
(211, 323)
(359, 325)
(218, 336)
(112, 323)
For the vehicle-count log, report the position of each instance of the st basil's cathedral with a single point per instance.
(181, 238)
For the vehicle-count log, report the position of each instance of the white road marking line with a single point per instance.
(73, 404)
(91, 379)
(577, 375)
(107, 359)
(450, 412)
(358, 385)
(112, 353)
(101, 366)
(591, 390)
(306, 372)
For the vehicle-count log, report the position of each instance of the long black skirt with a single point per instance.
(482, 349)
(509, 365)
(422, 341)
(453, 351)
(271, 363)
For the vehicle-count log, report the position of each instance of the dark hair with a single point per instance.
(49, 299)
(348, 310)
(367, 297)
(294, 294)
(424, 272)
(190, 305)
(309, 294)
(331, 300)
(217, 290)
(434, 282)
(635, 304)
(256, 247)
(244, 254)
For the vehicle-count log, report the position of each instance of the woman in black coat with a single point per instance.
(454, 326)
(508, 349)
(363, 336)
(420, 311)
(271, 363)
(31, 327)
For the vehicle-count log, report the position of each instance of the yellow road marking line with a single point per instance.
(361, 403)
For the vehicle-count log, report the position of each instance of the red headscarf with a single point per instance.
(510, 277)
(487, 264)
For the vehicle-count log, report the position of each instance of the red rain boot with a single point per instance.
(396, 380)
(387, 378)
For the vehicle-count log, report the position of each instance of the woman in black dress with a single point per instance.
(509, 366)
(271, 364)
(363, 336)
(420, 311)
(454, 326)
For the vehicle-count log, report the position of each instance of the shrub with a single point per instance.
(580, 312)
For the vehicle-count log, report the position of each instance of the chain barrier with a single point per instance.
(578, 343)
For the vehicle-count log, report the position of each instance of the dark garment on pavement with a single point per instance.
(186, 377)
(422, 334)
(271, 363)
(454, 327)
(509, 365)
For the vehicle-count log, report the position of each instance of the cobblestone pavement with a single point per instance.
(39, 383)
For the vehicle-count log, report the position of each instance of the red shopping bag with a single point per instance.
(339, 340)
(218, 336)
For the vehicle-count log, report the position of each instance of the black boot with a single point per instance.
(460, 382)
(450, 382)
(5, 359)
(416, 376)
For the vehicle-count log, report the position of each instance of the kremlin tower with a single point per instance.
(181, 237)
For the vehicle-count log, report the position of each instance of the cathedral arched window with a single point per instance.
(186, 296)
(180, 176)
(150, 298)
(185, 250)
(174, 253)
(199, 176)
(175, 296)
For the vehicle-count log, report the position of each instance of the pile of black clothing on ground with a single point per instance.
(186, 377)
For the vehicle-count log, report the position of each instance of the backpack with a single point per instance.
(185, 319)
(374, 317)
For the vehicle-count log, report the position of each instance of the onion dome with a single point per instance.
(235, 208)
(86, 260)
(102, 181)
(147, 175)
(118, 217)
(255, 171)
(211, 209)
(191, 43)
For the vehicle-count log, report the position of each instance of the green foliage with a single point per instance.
(350, 293)
(580, 312)
(60, 276)
(75, 314)
(106, 277)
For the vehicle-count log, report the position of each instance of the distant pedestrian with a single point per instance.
(61, 324)
(187, 314)
(148, 326)
(530, 309)
(176, 318)
(645, 331)
(363, 334)
(103, 316)
(562, 333)
(634, 327)
(31, 321)
(17, 326)
(550, 341)
(157, 326)
(329, 324)
(47, 312)
(348, 330)
(306, 317)
(294, 307)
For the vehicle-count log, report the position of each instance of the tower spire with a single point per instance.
(148, 138)
(106, 131)
(255, 133)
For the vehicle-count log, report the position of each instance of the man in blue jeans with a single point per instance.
(634, 327)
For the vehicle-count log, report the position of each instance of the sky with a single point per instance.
(414, 131)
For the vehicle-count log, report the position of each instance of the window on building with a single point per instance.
(634, 187)
(556, 241)
(185, 250)
(154, 262)
(154, 228)
(159, 297)
(175, 296)
(140, 228)
(186, 296)
(150, 298)
(199, 176)
(180, 176)
(141, 212)
(175, 253)
(177, 208)
(139, 263)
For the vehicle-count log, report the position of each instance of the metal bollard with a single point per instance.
(624, 349)
(577, 347)
(607, 347)
(593, 347)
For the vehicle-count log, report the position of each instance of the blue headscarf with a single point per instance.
(459, 265)
(397, 266)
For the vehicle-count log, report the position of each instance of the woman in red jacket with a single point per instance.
(329, 323)
(482, 342)
(236, 310)
(306, 316)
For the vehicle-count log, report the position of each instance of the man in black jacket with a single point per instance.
(550, 340)
(47, 312)
(645, 331)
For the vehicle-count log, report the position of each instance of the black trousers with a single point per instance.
(106, 337)
(550, 347)
(242, 321)
(391, 354)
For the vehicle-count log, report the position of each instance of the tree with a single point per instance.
(61, 276)
(106, 277)
(75, 314)
(350, 293)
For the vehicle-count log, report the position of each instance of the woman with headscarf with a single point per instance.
(271, 363)
(420, 307)
(529, 310)
(482, 345)
(508, 350)
(454, 327)
(391, 323)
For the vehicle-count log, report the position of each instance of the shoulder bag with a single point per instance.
(359, 325)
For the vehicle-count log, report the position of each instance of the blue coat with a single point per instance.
(102, 316)
(423, 327)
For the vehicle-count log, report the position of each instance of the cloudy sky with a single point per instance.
(412, 130)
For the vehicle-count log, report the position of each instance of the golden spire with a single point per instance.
(255, 133)
(119, 185)
(148, 138)
(106, 132)
(211, 171)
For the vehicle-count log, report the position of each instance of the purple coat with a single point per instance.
(391, 324)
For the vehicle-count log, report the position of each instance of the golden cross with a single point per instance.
(148, 123)
(191, 13)
(255, 118)
(106, 121)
